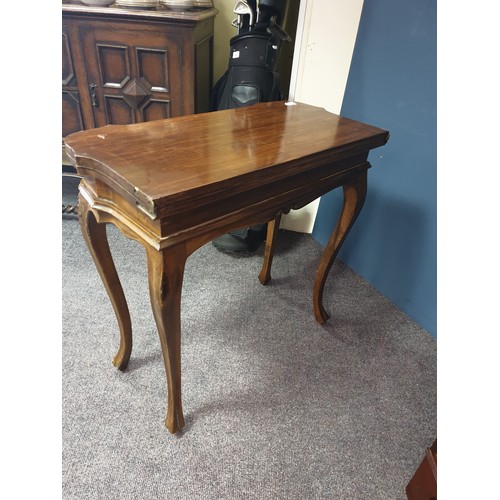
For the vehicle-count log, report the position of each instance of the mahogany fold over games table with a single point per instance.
(176, 184)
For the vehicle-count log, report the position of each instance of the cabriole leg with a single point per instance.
(166, 272)
(354, 198)
(96, 239)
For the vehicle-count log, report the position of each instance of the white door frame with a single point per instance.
(324, 44)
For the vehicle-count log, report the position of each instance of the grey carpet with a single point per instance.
(276, 406)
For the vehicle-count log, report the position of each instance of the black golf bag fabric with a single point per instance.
(251, 76)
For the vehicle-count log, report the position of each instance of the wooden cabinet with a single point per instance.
(423, 484)
(123, 65)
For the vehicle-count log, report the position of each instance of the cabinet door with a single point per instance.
(72, 119)
(133, 72)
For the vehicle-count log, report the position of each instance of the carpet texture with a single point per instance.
(276, 405)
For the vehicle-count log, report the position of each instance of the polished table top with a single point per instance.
(165, 162)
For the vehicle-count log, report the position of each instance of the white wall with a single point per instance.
(326, 34)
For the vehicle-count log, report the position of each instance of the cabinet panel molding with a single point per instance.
(71, 113)
(68, 73)
(155, 109)
(117, 111)
(113, 64)
(152, 67)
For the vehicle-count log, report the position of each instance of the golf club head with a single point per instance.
(243, 9)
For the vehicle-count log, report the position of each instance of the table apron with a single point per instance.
(200, 225)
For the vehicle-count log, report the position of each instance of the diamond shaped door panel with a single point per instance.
(136, 93)
(132, 83)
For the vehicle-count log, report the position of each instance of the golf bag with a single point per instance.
(252, 76)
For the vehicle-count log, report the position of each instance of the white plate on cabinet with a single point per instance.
(98, 3)
(203, 4)
(178, 4)
(138, 3)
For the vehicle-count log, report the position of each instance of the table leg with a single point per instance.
(94, 234)
(272, 233)
(354, 198)
(166, 272)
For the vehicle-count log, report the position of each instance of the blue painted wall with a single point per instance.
(392, 84)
